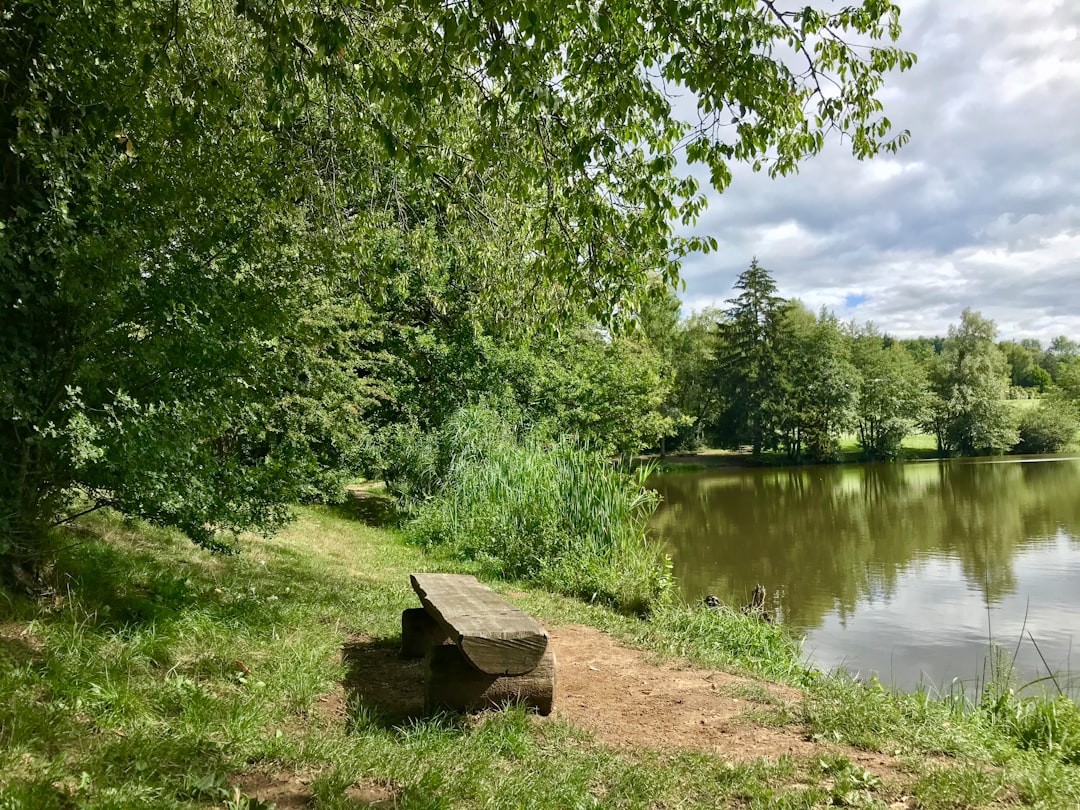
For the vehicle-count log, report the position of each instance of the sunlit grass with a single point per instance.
(920, 441)
(1019, 406)
(160, 674)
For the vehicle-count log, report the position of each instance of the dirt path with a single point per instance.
(629, 702)
(626, 700)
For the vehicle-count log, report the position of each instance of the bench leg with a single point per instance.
(451, 682)
(419, 633)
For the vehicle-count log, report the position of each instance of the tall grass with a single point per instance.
(559, 516)
(727, 638)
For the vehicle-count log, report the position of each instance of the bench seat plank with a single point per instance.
(496, 637)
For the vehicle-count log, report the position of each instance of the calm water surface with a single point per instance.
(906, 571)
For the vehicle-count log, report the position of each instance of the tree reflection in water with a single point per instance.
(833, 542)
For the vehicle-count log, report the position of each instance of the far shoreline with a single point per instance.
(713, 459)
(701, 460)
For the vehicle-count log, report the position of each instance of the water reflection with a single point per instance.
(901, 569)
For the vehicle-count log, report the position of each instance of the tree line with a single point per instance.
(768, 374)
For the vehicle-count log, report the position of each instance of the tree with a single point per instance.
(1062, 406)
(893, 393)
(820, 383)
(970, 383)
(698, 390)
(1025, 369)
(749, 363)
(1062, 350)
(923, 349)
(1068, 384)
(182, 183)
(436, 337)
(607, 393)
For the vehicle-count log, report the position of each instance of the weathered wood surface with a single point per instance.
(451, 682)
(419, 632)
(496, 637)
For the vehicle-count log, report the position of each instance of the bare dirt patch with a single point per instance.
(17, 645)
(372, 794)
(629, 702)
(622, 697)
(286, 790)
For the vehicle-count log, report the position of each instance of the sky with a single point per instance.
(981, 209)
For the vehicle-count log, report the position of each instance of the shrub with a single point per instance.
(1045, 429)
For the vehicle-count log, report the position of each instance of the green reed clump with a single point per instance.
(416, 465)
(1037, 723)
(724, 637)
(558, 516)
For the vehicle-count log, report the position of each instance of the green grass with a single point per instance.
(162, 677)
(1020, 406)
(919, 441)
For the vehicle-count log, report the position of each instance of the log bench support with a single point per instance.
(480, 651)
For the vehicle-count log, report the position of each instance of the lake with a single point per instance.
(906, 571)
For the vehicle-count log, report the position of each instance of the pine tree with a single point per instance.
(749, 363)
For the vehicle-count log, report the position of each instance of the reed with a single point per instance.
(558, 516)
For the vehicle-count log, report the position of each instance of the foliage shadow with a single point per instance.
(372, 509)
(383, 689)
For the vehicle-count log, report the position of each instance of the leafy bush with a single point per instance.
(1045, 429)
(558, 516)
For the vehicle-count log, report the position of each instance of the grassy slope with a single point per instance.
(160, 675)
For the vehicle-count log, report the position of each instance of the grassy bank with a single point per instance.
(918, 446)
(159, 676)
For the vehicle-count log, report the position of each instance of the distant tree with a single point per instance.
(970, 382)
(1024, 368)
(1067, 388)
(698, 389)
(749, 361)
(893, 393)
(608, 393)
(819, 383)
(688, 347)
(923, 349)
(658, 319)
(1038, 378)
(1062, 350)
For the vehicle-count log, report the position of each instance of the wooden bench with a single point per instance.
(479, 650)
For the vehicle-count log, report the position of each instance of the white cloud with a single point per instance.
(981, 209)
